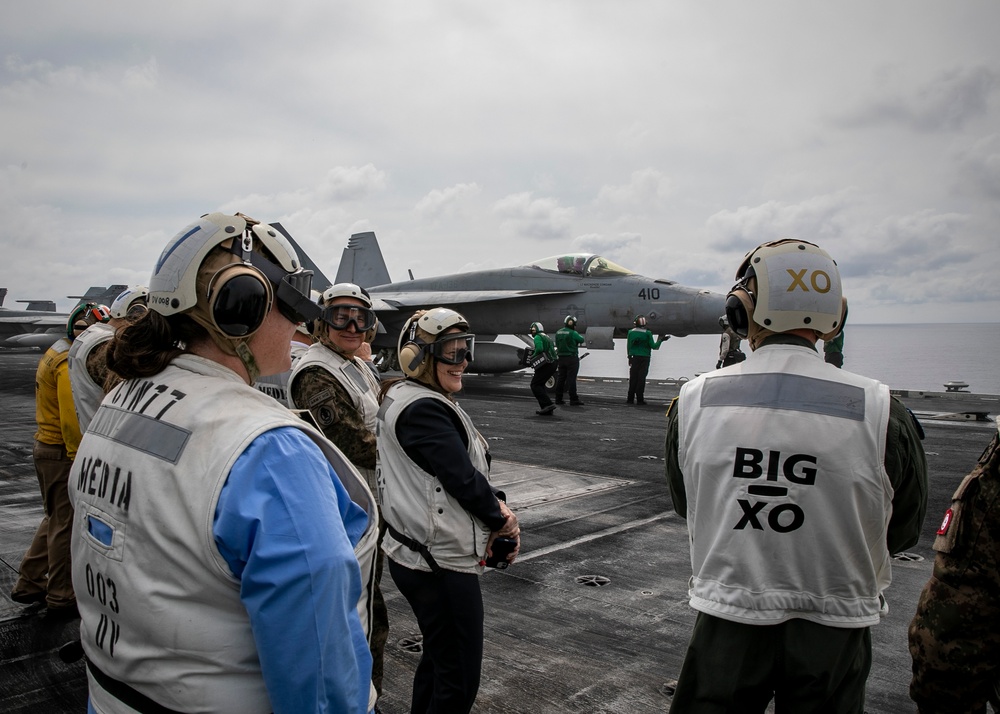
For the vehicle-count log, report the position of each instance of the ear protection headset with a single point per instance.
(412, 354)
(570, 322)
(640, 321)
(418, 335)
(240, 295)
(88, 313)
(740, 304)
(786, 285)
(239, 298)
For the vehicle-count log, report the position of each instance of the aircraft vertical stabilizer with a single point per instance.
(362, 263)
(320, 281)
(39, 305)
(3, 294)
(94, 294)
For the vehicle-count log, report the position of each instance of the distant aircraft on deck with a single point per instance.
(39, 325)
(603, 296)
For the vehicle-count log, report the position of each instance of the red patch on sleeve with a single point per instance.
(945, 522)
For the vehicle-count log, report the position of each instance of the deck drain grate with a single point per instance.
(412, 643)
(593, 581)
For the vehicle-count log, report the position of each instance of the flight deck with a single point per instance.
(593, 617)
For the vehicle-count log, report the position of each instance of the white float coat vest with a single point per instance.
(161, 597)
(87, 394)
(416, 504)
(354, 376)
(788, 500)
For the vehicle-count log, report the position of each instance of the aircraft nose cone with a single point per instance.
(709, 307)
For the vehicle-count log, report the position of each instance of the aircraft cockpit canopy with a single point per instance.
(586, 264)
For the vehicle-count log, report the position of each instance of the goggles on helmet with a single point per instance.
(453, 349)
(98, 313)
(291, 290)
(340, 316)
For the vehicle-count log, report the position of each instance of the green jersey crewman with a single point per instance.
(640, 345)
(568, 342)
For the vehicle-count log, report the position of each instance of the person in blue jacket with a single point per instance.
(221, 544)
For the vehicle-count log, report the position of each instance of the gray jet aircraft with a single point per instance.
(603, 296)
(40, 325)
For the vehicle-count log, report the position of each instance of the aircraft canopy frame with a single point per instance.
(588, 265)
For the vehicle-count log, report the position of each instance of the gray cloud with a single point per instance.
(609, 246)
(539, 218)
(468, 134)
(645, 187)
(345, 183)
(817, 220)
(444, 202)
(905, 246)
(979, 169)
(947, 102)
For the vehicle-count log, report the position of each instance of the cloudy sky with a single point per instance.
(670, 136)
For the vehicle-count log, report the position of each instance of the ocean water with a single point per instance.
(914, 357)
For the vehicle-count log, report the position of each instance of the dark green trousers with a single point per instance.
(803, 666)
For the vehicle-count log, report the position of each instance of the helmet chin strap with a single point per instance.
(236, 347)
(248, 360)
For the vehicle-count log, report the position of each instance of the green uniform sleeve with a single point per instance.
(906, 465)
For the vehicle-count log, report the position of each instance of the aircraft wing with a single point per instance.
(43, 320)
(397, 300)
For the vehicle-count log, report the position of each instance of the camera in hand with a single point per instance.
(502, 547)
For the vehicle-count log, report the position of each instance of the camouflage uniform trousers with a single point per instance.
(955, 635)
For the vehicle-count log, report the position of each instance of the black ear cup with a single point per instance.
(739, 311)
(239, 298)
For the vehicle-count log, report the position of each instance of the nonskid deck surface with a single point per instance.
(594, 615)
